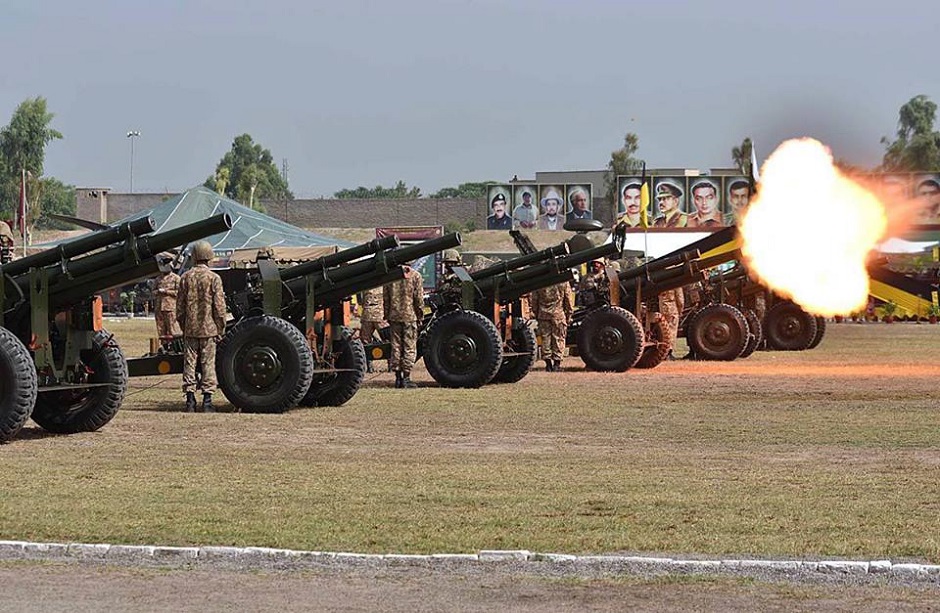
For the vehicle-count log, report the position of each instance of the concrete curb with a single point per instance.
(521, 559)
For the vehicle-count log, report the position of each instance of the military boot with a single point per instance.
(549, 366)
(398, 379)
(557, 366)
(207, 404)
(369, 366)
(190, 402)
(406, 382)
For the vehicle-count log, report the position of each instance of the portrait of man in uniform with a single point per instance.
(705, 211)
(738, 191)
(927, 192)
(525, 211)
(628, 209)
(498, 200)
(669, 195)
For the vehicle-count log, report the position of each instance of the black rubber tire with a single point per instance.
(264, 342)
(610, 340)
(755, 333)
(788, 327)
(820, 332)
(462, 349)
(336, 389)
(88, 409)
(515, 368)
(18, 385)
(718, 332)
(654, 354)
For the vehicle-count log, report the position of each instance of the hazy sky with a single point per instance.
(438, 92)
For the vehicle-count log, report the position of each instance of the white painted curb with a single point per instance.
(450, 561)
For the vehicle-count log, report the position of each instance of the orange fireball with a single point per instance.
(808, 232)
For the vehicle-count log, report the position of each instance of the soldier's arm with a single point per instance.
(218, 304)
(181, 303)
(173, 289)
(418, 299)
(386, 300)
(567, 304)
(534, 304)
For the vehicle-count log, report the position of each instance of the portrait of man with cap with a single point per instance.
(551, 204)
(669, 201)
(524, 212)
(706, 204)
(579, 202)
(739, 196)
(6, 243)
(928, 193)
(498, 220)
(630, 202)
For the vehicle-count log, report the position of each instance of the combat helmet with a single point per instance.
(451, 256)
(202, 252)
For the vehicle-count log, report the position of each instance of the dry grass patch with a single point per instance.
(832, 452)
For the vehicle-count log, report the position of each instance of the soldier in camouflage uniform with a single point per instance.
(404, 309)
(166, 290)
(200, 310)
(449, 286)
(671, 303)
(552, 307)
(371, 317)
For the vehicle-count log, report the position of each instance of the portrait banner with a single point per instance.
(498, 198)
(737, 196)
(669, 202)
(927, 193)
(578, 197)
(704, 202)
(525, 208)
(628, 201)
(552, 207)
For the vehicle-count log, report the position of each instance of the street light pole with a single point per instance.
(133, 134)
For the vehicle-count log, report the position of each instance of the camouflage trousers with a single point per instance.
(760, 305)
(670, 313)
(201, 350)
(404, 346)
(552, 334)
(368, 330)
(166, 324)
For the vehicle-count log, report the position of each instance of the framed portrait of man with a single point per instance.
(927, 195)
(525, 206)
(579, 199)
(704, 202)
(737, 196)
(552, 207)
(498, 198)
(629, 201)
(669, 198)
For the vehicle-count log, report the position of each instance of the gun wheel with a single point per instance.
(336, 388)
(755, 333)
(462, 349)
(789, 328)
(87, 409)
(516, 367)
(610, 340)
(718, 332)
(264, 365)
(17, 385)
(820, 332)
(655, 350)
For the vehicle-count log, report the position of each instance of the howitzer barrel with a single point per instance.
(718, 260)
(508, 294)
(382, 261)
(659, 264)
(651, 290)
(342, 257)
(341, 291)
(586, 255)
(113, 269)
(85, 244)
(519, 262)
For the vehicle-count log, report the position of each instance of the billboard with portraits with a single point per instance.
(498, 199)
(579, 202)
(525, 206)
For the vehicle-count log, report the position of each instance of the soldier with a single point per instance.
(671, 303)
(6, 243)
(166, 290)
(371, 318)
(200, 310)
(404, 308)
(449, 286)
(552, 307)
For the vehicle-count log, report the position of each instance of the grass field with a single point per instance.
(833, 452)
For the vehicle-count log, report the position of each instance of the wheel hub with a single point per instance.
(261, 366)
(718, 333)
(790, 327)
(461, 350)
(609, 340)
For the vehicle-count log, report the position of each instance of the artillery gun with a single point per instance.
(58, 364)
(288, 342)
(477, 332)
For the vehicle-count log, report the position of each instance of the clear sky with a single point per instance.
(438, 92)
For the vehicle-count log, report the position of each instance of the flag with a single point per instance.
(21, 210)
(644, 205)
(755, 171)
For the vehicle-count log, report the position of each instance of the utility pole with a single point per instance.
(133, 135)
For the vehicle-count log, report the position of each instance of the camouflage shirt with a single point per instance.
(166, 289)
(372, 305)
(552, 303)
(200, 305)
(404, 299)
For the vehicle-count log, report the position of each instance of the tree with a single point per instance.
(917, 146)
(622, 162)
(741, 156)
(23, 147)
(401, 190)
(247, 173)
(51, 196)
(464, 190)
